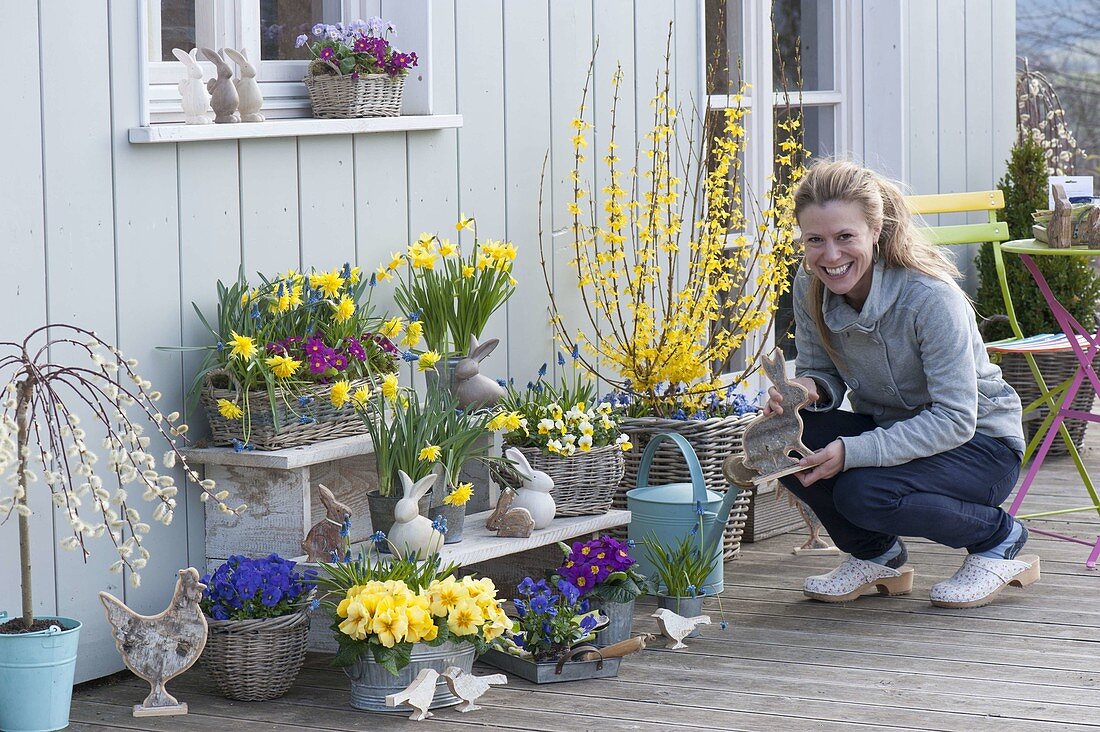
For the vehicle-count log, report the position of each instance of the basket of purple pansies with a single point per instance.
(292, 358)
(258, 614)
(356, 71)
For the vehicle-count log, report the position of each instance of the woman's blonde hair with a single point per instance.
(899, 244)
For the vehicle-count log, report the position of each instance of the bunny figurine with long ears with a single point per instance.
(193, 94)
(535, 494)
(474, 390)
(248, 91)
(223, 95)
(413, 536)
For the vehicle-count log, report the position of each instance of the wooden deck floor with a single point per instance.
(1029, 662)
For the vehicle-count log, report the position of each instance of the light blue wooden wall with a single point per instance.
(123, 238)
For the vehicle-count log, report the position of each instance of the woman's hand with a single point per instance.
(775, 399)
(825, 463)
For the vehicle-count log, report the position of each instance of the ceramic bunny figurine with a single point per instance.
(223, 95)
(413, 535)
(251, 100)
(535, 494)
(195, 98)
(472, 389)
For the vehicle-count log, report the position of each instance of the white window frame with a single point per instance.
(236, 24)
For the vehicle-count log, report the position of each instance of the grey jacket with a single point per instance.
(914, 362)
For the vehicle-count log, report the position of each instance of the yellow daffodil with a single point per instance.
(383, 274)
(389, 387)
(392, 328)
(421, 257)
(242, 347)
(413, 333)
(229, 409)
(460, 495)
(429, 453)
(464, 222)
(427, 361)
(341, 392)
(329, 283)
(396, 260)
(282, 366)
(360, 397)
(344, 309)
(354, 275)
(446, 248)
(468, 270)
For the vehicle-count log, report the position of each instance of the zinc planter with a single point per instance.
(381, 511)
(621, 622)
(551, 672)
(371, 683)
(36, 676)
(689, 607)
(455, 516)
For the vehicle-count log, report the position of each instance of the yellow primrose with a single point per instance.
(390, 626)
(282, 366)
(229, 409)
(429, 453)
(242, 347)
(341, 392)
(427, 361)
(465, 618)
(460, 495)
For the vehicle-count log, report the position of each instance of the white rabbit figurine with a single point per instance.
(535, 494)
(412, 535)
(472, 389)
(193, 94)
(251, 100)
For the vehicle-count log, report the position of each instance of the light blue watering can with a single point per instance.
(668, 512)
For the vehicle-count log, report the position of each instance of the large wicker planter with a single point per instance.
(255, 660)
(1055, 367)
(584, 484)
(363, 95)
(258, 427)
(713, 441)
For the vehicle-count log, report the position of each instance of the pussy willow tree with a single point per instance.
(679, 264)
(43, 440)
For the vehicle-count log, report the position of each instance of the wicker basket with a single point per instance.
(713, 440)
(327, 423)
(584, 484)
(345, 97)
(255, 660)
(1055, 368)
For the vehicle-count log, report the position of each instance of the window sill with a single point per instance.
(291, 128)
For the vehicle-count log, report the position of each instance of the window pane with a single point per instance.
(179, 24)
(725, 47)
(282, 21)
(804, 44)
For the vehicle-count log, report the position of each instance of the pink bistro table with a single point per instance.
(1085, 344)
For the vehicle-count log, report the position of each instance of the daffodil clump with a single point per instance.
(293, 333)
(676, 277)
(448, 294)
(385, 606)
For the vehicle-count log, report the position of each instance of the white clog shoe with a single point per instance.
(980, 579)
(856, 577)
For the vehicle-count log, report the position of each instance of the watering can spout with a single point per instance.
(714, 533)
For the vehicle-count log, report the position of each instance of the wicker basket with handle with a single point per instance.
(713, 441)
(584, 484)
(1055, 367)
(326, 422)
(255, 660)
(347, 97)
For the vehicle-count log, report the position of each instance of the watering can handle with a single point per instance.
(698, 485)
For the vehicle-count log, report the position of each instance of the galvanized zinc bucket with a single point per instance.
(670, 511)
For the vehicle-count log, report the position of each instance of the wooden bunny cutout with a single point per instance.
(473, 390)
(535, 494)
(324, 537)
(413, 535)
(508, 522)
(223, 95)
(193, 94)
(769, 439)
(248, 91)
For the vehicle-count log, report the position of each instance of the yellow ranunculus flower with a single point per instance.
(283, 366)
(242, 347)
(460, 495)
(229, 409)
(341, 392)
(430, 453)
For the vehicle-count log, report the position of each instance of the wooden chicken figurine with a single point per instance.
(160, 647)
(470, 688)
(418, 695)
(677, 627)
(324, 537)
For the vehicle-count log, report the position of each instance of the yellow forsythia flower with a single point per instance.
(427, 360)
(341, 392)
(430, 453)
(344, 310)
(229, 409)
(243, 347)
(283, 366)
(460, 495)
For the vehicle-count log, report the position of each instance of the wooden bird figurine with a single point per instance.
(324, 537)
(418, 695)
(469, 688)
(676, 627)
(160, 647)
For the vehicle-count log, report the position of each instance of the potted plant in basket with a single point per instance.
(680, 270)
(561, 431)
(43, 441)
(289, 358)
(393, 619)
(258, 617)
(607, 576)
(356, 71)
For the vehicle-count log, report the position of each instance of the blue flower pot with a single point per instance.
(36, 676)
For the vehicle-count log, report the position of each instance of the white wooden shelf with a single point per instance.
(292, 128)
(286, 459)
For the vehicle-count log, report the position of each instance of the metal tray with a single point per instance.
(550, 673)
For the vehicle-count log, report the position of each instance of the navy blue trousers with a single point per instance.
(952, 498)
